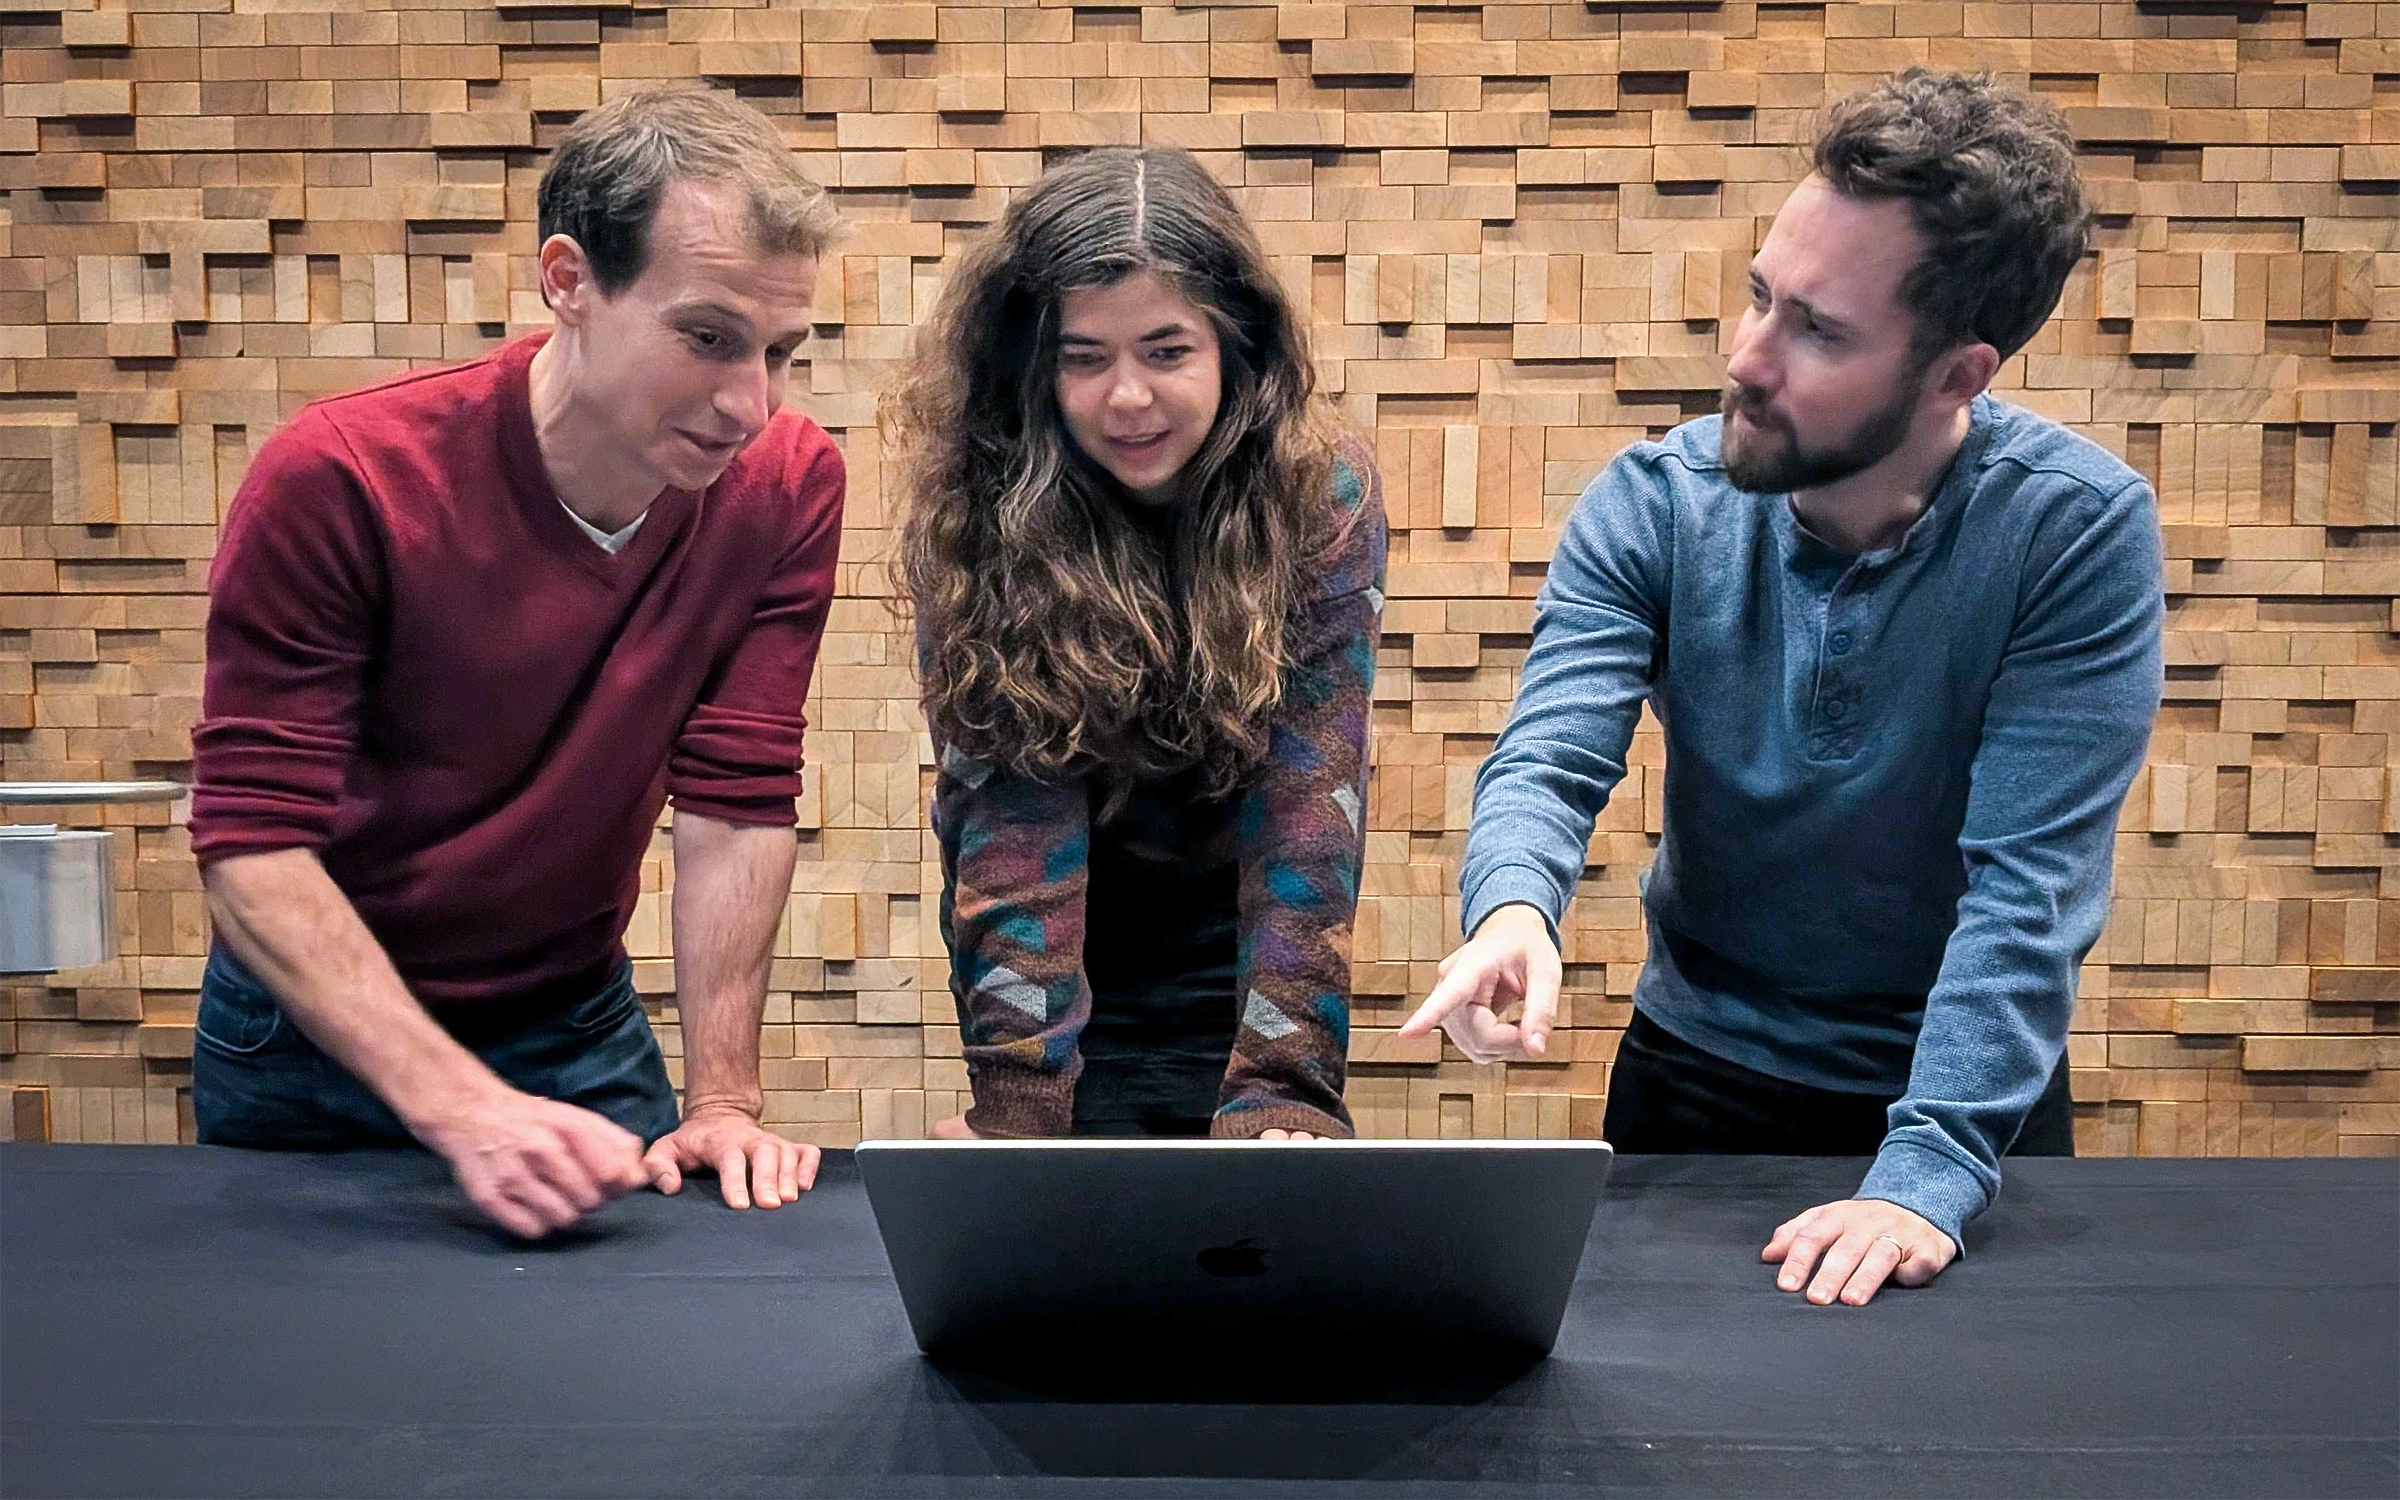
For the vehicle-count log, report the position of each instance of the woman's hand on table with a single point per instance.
(1854, 1247)
(1288, 1135)
(754, 1166)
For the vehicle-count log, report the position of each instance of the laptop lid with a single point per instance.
(1035, 1246)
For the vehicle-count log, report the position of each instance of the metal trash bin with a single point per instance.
(58, 891)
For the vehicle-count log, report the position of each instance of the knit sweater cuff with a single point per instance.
(1021, 1102)
(1505, 884)
(1929, 1184)
(1246, 1122)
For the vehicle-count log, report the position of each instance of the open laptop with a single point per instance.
(1060, 1248)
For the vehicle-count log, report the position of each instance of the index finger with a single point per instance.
(733, 1177)
(1467, 982)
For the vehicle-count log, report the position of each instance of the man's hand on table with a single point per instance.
(535, 1165)
(754, 1166)
(1853, 1247)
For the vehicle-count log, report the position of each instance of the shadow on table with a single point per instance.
(1285, 1415)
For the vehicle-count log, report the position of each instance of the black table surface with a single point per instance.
(189, 1321)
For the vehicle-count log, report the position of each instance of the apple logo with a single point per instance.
(1244, 1257)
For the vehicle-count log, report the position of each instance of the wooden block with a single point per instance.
(482, 130)
(2166, 336)
(561, 93)
(1699, 161)
(1391, 57)
(95, 28)
(29, 1112)
(901, 25)
(1702, 274)
(971, 94)
(2372, 986)
(1459, 462)
(2352, 296)
(2308, 1054)
(2209, 1017)
(1395, 289)
(2376, 163)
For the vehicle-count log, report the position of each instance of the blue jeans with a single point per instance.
(257, 1080)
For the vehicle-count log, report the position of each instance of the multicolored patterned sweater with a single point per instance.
(1016, 863)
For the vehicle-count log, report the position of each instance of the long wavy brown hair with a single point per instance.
(1057, 634)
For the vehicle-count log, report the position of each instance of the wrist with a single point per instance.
(750, 1104)
(1517, 916)
(440, 1109)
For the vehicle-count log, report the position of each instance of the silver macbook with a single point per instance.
(1048, 1248)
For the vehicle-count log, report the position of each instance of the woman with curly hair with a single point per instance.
(1146, 568)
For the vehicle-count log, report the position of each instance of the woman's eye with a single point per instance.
(705, 338)
(1170, 355)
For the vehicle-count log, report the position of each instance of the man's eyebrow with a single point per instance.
(689, 310)
(1816, 314)
(709, 310)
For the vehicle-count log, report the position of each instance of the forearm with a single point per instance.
(287, 921)
(1015, 874)
(2065, 729)
(1563, 750)
(731, 882)
(1302, 846)
(1995, 1024)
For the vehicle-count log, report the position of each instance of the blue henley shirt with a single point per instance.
(1892, 778)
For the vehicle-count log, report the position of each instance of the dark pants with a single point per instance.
(1667, 1097)
(257, 1080)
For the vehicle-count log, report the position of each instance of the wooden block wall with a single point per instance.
(1520, 231)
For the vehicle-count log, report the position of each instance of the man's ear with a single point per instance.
(566, 279)
(1967, 370)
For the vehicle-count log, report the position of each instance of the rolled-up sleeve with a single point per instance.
(296, 604)
(739, 754)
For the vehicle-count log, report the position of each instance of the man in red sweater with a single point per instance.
(468, 631)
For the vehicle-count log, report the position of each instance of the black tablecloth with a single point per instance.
(187, 1321)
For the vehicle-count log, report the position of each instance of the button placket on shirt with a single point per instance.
(1838, 720)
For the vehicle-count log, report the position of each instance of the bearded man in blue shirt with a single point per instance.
(1904, 641)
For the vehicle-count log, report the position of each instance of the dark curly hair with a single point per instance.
(1058, 635)
(1988, 173)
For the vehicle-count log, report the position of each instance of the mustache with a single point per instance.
(1750, 402)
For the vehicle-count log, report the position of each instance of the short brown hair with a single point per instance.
(1988, 173)
(613, 165)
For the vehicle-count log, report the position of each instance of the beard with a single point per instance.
(1768, 458)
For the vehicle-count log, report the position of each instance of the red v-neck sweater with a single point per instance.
(419, 666)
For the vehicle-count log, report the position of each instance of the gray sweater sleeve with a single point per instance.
(2064, 731)
(1596, 631)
